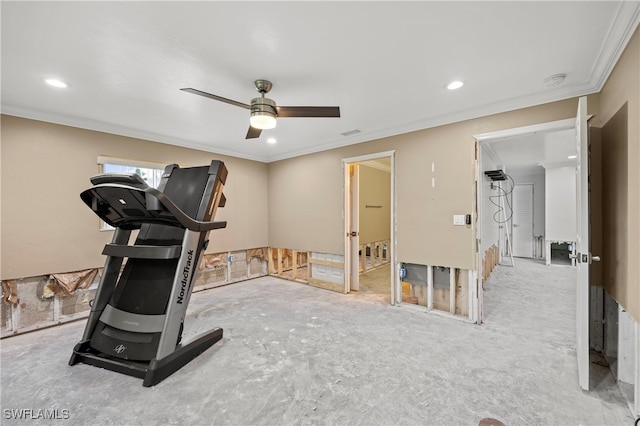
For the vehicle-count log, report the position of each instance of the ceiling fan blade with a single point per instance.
(216, 97)
(253, 133)
(308, 111)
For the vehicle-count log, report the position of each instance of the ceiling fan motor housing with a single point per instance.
(263, 109)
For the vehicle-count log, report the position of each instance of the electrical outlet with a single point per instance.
(458, 219)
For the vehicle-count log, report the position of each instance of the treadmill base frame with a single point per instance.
(154, 371)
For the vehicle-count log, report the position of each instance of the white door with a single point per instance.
(354, 233)
(582, 245)
(523, 220)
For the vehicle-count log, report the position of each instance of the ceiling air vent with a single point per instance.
(350, 132)
(555, 80)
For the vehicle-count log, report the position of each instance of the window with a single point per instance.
(151, 173)
(151, 176)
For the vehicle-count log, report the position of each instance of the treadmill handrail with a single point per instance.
(183, 219)
(132, 179)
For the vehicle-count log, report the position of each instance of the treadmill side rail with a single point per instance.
(180, 293)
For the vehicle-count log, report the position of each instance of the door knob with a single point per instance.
(595, 258)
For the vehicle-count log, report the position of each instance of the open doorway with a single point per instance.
(369, 223)
(527, 194)
(561, 147)
(524, 205)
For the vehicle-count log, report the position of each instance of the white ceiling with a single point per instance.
(384, 63)
(531, 154)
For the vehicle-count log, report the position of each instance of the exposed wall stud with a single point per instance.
(430, 287)
(452, 290)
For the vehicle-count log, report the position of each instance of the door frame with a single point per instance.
(582, 309)
(349, 262)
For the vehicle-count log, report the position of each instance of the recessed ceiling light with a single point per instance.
(271, 140)
(455, 85)
(56, 83)
(571, 157)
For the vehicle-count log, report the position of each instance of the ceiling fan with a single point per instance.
(264, 110)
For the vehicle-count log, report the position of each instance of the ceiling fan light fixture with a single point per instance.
(262, 121)
(263, 113)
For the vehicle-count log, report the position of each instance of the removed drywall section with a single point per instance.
(439, 289)
(626, 347)
(67, 284)
(373, 255)
(42, 301)
(327, 271)
(47, 300)
(322, 270)
(218, 269)
(213, 271)
(289, 264)
(613, 336)
(257, 262)
(490, 259)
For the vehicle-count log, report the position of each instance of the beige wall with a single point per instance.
(305, 212)
(297, 203)
(374, 189)
(620, 121)
(47, 229)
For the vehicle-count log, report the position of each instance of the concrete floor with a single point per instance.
(295, 354)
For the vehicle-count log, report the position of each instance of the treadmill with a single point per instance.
(136, 319)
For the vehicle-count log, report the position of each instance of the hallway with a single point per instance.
(295, 354)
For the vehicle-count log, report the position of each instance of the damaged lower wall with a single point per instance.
(322, 270)
(490, 259)
(43, 301)
(219, 269)
(439, 289)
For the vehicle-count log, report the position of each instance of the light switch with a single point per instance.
(458, 219)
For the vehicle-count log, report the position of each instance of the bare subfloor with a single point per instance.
(295, 354)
